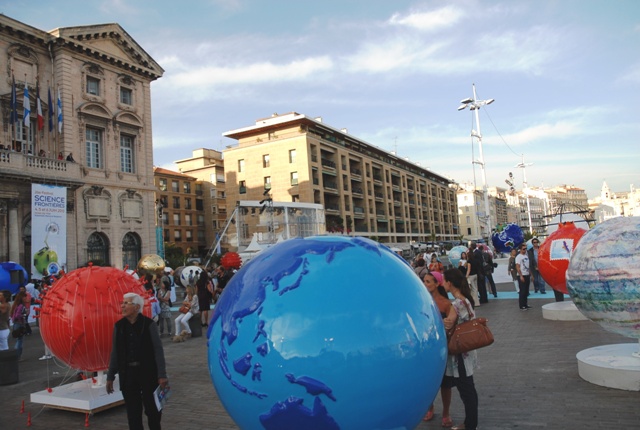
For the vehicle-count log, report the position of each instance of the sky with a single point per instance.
(564, 76)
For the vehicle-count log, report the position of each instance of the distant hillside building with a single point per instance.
(365, 190)
(614, 204)
(567, 198)
(93, 145)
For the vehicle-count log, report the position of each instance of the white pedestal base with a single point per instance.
(81, 396)
(562, 311)
(611, 366)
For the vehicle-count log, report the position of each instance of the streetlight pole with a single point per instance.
(523, 166)
(474, 104)
(159, 229)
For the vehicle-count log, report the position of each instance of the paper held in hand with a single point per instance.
(161, 396)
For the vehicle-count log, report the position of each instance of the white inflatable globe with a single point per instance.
(189, 271)
(603, 277)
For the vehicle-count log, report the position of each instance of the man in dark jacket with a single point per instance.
(533, 253)
(477, 261)
(137, 356)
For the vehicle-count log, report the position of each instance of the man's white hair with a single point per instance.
(136, 300)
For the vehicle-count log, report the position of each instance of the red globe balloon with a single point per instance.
(79, 311)
(555, 253)
(231, 260)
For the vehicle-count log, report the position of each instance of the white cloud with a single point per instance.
(429, 21)
(257, 73)
(632, 74)
(399, 53)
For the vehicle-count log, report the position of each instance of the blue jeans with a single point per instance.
(538, 282)
(18, 340)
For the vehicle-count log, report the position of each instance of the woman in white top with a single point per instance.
(182, 320)
(459, 370)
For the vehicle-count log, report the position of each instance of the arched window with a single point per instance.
(131, 252)
(98, 250)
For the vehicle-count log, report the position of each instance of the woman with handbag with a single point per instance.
(19, 317)
(459, 370)
(433, 282)
(188, 309)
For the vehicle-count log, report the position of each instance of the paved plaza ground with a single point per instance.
(528, 379)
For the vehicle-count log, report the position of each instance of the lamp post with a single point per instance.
(159, 228)
(474, 105)
(523, 166)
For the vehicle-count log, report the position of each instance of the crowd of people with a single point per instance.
(456, 291)
(202, 291)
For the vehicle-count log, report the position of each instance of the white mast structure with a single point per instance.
(525, 188)
(474, 105)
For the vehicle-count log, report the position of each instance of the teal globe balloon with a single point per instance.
(326, 332)
(455, 253)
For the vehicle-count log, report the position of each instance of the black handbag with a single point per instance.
(18, 331)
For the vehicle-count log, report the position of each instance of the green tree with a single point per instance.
(173, 255)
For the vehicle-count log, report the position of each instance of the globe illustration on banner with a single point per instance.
(326, 332)
(603, 277)
(455, 254)
(509, 238)
(79, 311)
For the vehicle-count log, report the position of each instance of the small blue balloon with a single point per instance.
(326, 332)
(509, 238)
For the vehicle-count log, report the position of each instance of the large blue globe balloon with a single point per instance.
(326, 332)
(509, 238)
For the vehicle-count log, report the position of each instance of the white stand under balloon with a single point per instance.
(614, 366)
(562, 311)
(89, 395)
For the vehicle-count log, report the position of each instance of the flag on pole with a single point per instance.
(50, 111)
(59, 112)
(14, 102)
(39, 108)
(27, 106)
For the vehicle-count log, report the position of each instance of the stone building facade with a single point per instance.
(102, 77)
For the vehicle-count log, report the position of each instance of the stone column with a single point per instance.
(4, 239)
(14, 231)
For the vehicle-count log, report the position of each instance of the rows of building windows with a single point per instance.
(93, 85)
(175, 186)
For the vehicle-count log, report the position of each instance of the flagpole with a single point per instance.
(14, 111)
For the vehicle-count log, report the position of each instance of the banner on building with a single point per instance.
(48, 230)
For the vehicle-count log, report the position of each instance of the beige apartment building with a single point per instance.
(103, 79)
(183, 215)
(365, 190)
(207, 166)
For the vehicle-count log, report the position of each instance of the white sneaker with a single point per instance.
(45, 357)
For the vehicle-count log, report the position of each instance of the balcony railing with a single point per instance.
(41, 167)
